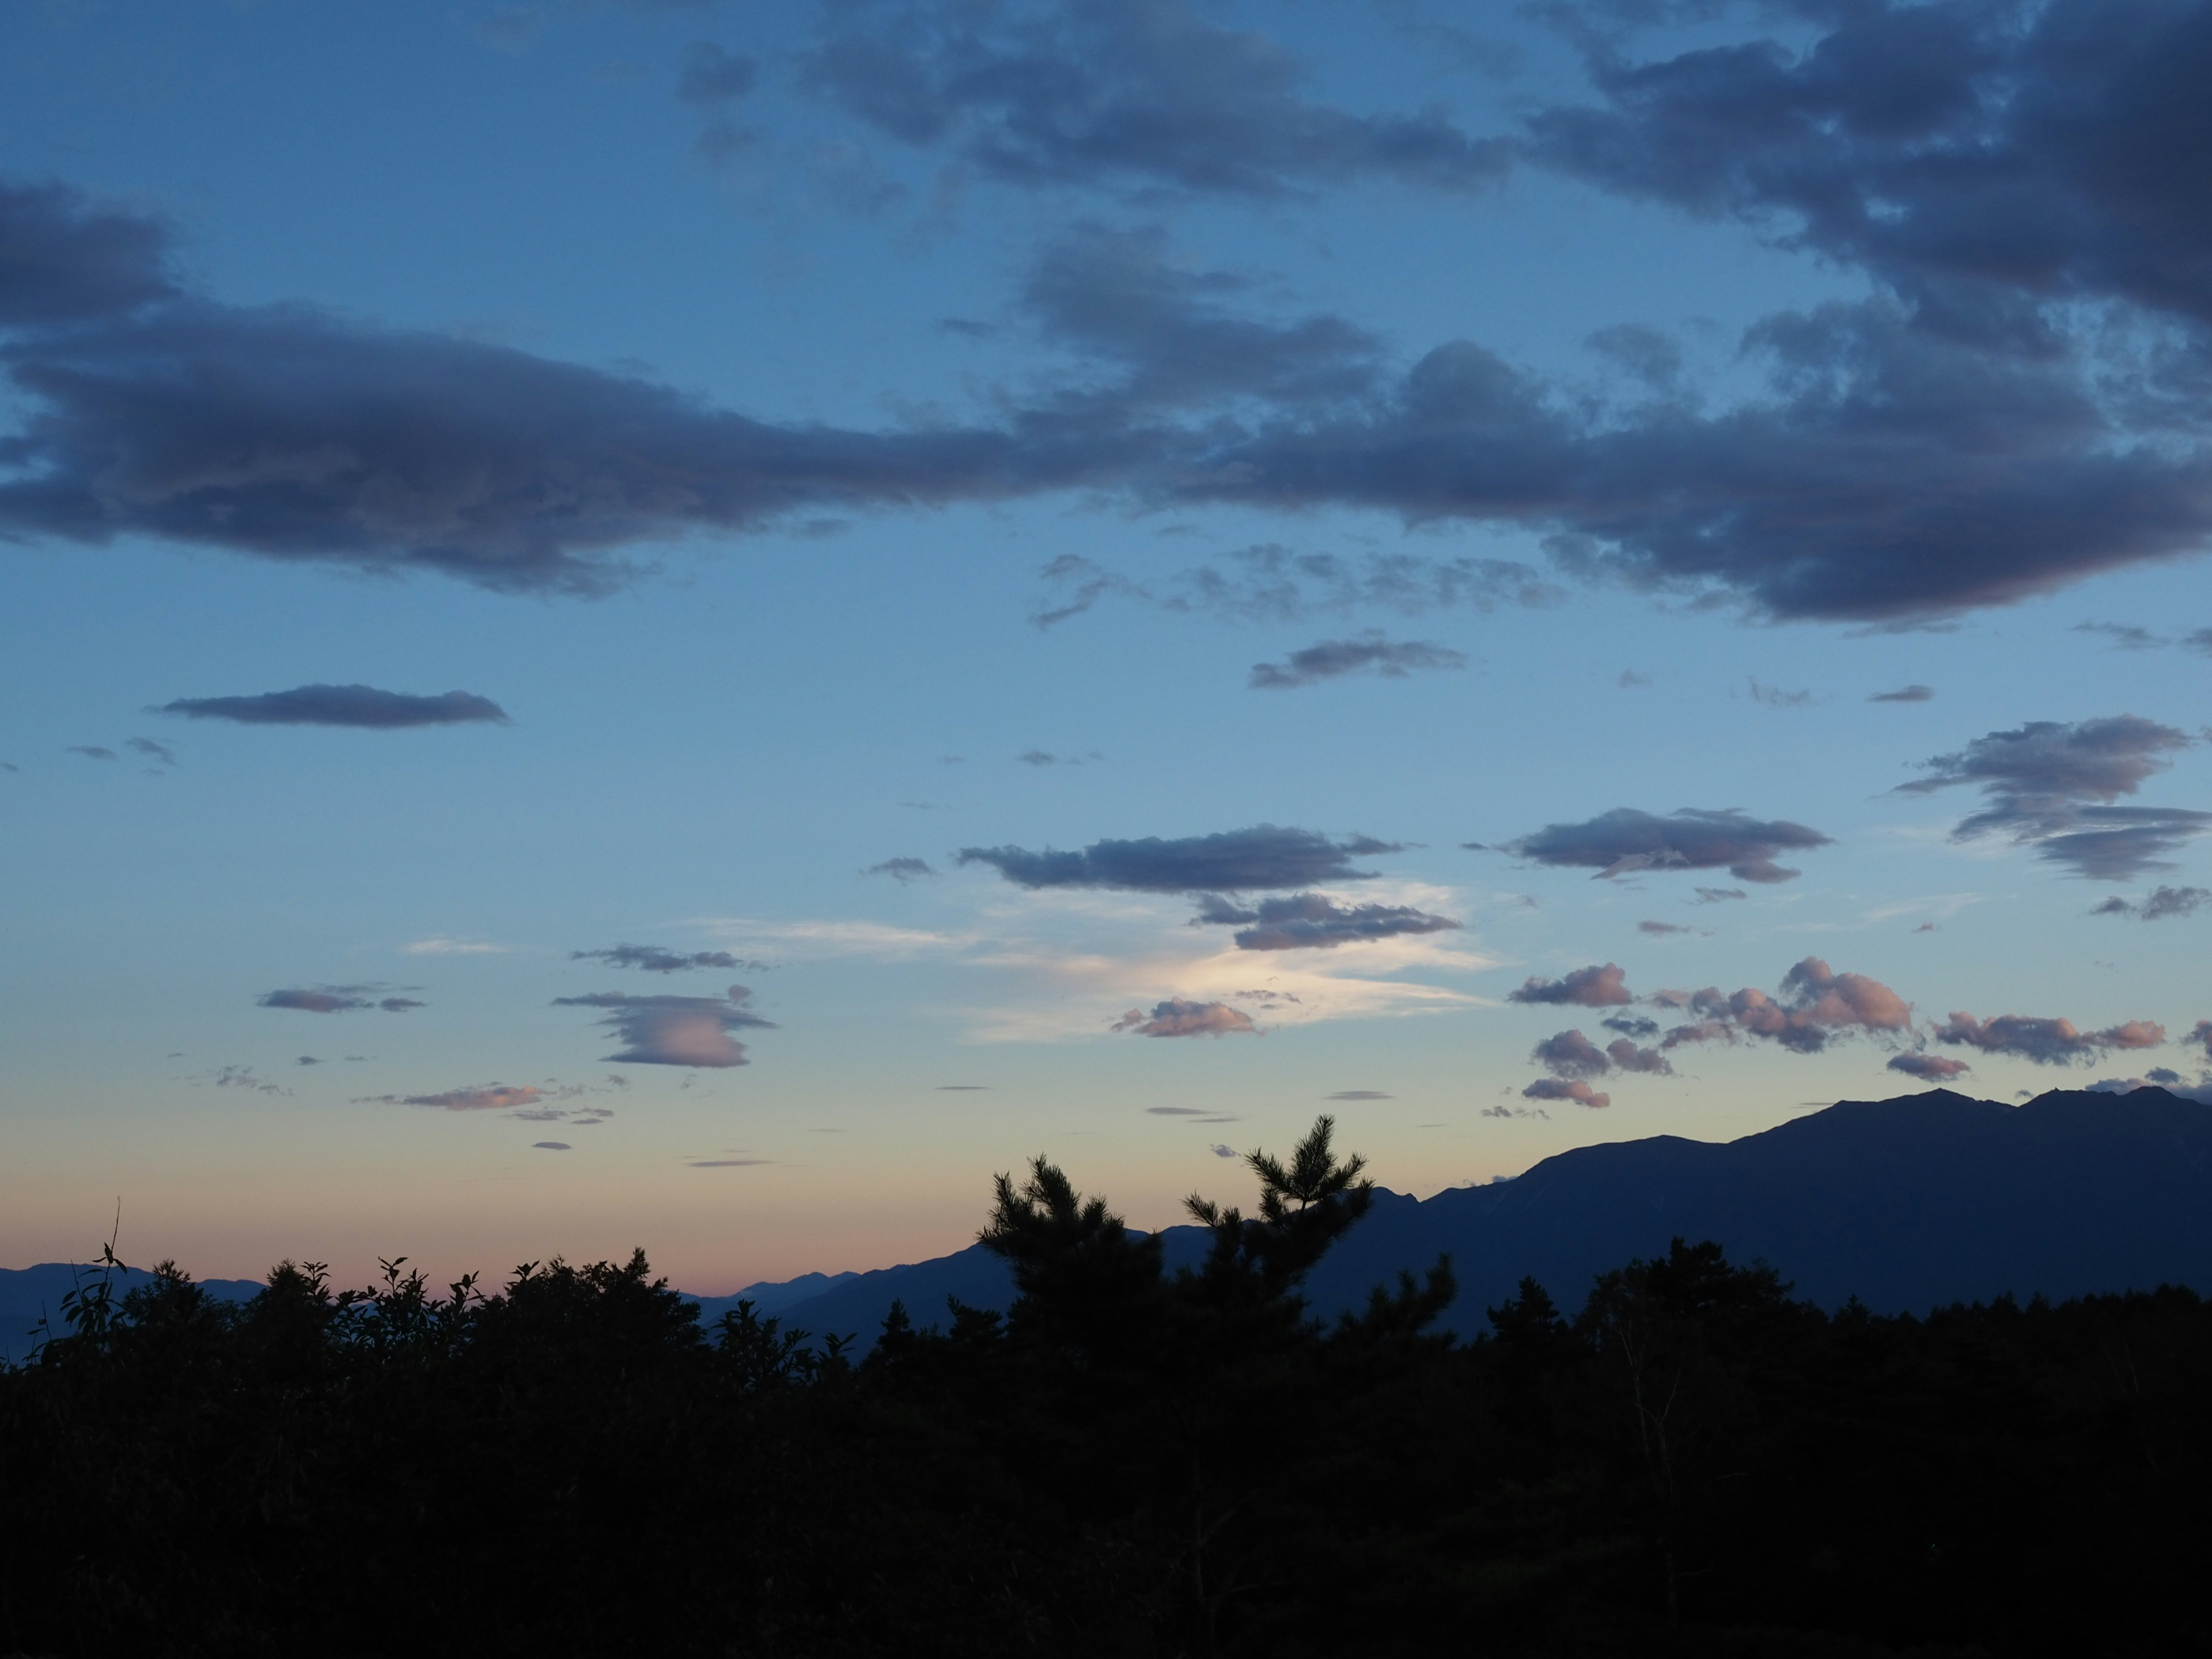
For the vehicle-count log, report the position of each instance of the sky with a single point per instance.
(696, 626)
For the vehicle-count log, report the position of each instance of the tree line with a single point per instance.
(1130, 1462)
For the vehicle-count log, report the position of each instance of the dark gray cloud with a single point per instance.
(1936, 1068)
(550, 1145)
(1308, 921)
(1719, 895)
(65, 260)
(336, 999)
(653, 959)
(2050, 784)
(2200, 641)
(1624, 840)
(1148, 94)
(1905, 694)
(1176, 1017)
(1552, 1088)
(1047, 757)
(1595, 987)
(1630, 1025)
(342, 705)
(1627, 1057)
(1661, 929)
(1570, 1054)
(1977, 156)
(2161, 903)
(152, 751)
(1775, 697)
(1328, 660)
(2047, 1042)
(901, 870)
(1814, 1005)
(1232, 861)
(2200, 1036)
(1220, 1151)
(2124, 636)
(1361, 1094)
(91, 751)
(671, 1030)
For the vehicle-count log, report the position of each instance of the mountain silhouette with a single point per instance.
(29, 1294)
(1907, 1204)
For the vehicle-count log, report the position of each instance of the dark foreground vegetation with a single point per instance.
(1130, 1463)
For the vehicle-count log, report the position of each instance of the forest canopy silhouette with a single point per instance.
(1130, 1461)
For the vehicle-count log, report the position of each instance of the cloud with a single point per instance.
(714, 74)
(901, 870)
(2047, 1042)
(1570, 1054)
(1905, 694)
(1661, 929)
(65, 260)
(1551, 1088)
(548, 1145)
(483, 1098)
(91, 751)
(1595, 987)
(2040, 778)
(2159, 1078)
(1312, 921)
(2200, 1036)
(152, 751)
(1718, 894)
(653, 959)
(1143, 96)
(1361, 1094)
(1176, 1017)
(1934, 1068)
(2124, 636)
(1775, 697)
(1624, 840)
(1627, 1057)
(1233, 860)
(2163, 902)
(361, 706)
(671, 1030)
(1220, 1151)
(1327, 659)
(1632, 1025)
(1812, 1005)
(726, 1163)
(336, 1000)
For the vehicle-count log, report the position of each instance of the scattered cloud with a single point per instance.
(160, 752)
(360, 706)
(91, 751)
(2161, 903)
(901, 870)
(1775, 697)
(1327, 659)
(1814, 1005)
(2051, 785)
(672, 1030)
(1178, 1017)
(1313, 921)
(1570, 1054)
(653, 959)
(1662, 929)
(336, 999)
(1233, 860)
(481, 1097)
(1552, 1088)
(1220, 1151)
(1624, 841)
(726, 1163)
(1595, 987)
(1718, 894)
(1269, 582)
(1632, 680)
(550, 1145)
(2047, 1042)
(1047, 757)
(1905, 694)
(1630, 1025)
(1516, 1111)
(2124, 636)
(441, 947)
(962, 1088)
(1359, 1094)
(1936, 1068)
(2200, 1036)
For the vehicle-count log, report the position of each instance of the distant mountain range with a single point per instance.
(29, 1294)
(1907, 1204)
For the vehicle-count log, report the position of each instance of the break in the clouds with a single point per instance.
(901, 870)
(2051, 784)
(362, 706)
(1625, 841)
(1554, 1088)
(1934, 1069)
(1149, 96)
(1905, 694)
(653, 959)
(2157, 905)
(1328, 659)
(1604, 986)
(1233, 860)
(672, 1030)
(2046, 1041)
(1313, 921)
(1812, 1005)
(1177, 1016)
(336, 999)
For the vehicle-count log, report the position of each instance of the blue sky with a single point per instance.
(835, 435)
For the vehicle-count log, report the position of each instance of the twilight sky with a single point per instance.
(697, 625)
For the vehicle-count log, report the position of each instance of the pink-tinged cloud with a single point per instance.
(2047, 1042)
(489, 1097)
(672, 1030)
(1176, 1017)
(1934, 1068)
(1595, 987)
(1813, 1005)
(1552, 1088)
(1628, 1057)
